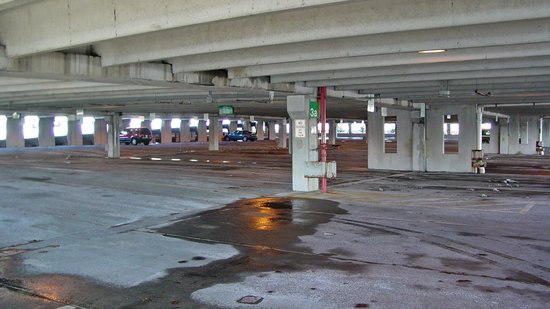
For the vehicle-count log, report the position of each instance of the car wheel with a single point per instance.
(134, 141)
(226, 138)
(245, 138)
(146, 143)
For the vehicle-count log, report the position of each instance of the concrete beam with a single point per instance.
(10, 4)
(68, 23)
(355, 18)
(433, 77)
(471, 36)
(349, 63)
(482, 87)
(365, 88)
(476, 65)
(88, 66)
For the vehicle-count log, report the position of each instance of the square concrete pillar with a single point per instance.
(125, 123)
(113, 140)
(14, 133)
(282, 136)
(146, 124)
(246, 125)
(100, 131)
(166, 132)
(46, 137)
(260, 130)
(233, 126)
(74, 134)
(214, 134)
(332, 132)
(546, 132)
(202, 131)
(418, 143)
(271, 134)
(305, 142)
(493, 145)
(504, 136)
(185, 132)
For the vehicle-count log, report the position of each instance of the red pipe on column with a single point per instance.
(323, 110)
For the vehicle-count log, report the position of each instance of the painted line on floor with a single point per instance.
(526, 209)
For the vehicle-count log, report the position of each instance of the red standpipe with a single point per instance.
(323, 110)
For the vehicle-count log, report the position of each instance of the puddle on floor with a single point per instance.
(263, 222)
(266, 232)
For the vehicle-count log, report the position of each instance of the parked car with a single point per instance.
(136, 136)
(240, 136)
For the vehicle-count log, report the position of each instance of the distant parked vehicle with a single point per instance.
(136, 136)
(240, 136)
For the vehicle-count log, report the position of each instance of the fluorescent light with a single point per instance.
(432, 51)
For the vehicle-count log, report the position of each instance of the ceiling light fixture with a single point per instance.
(432, 51)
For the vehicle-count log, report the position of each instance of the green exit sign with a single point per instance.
(225, 110)
(314, 109)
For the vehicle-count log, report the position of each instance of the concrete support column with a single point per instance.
(541, 129)
(214, 134)
(281, 141)
(245, 125)
(332, 132)
(419, 145)
(166, 132)
(146, 124)
(125, 123)
(404, 153)
(504, 138)
(305, 144)
(233, 125)
(271, 134)
(14, 133)
(45, 132)
(479, 134)
(260, 130)
(113, 140)
(100, 132)
(74, 134)
(185, 133)
(546, 132)
(201, 131)
(455, 155)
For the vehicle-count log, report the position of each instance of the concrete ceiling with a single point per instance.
(189, 57)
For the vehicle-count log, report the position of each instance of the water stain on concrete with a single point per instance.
(36, 179)
(463, 264)
(258, 224)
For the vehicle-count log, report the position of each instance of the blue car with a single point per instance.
(240, 136)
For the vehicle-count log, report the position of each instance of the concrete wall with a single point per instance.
(437, 160)
(514, 127)
(377, 159)
(493, 146)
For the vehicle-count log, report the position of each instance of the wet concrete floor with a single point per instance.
(194, 229)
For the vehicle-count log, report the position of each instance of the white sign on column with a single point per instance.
(300, 125)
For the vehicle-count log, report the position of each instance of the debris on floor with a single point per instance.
(250, 300)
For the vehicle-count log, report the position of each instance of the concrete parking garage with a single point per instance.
(438, 200)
